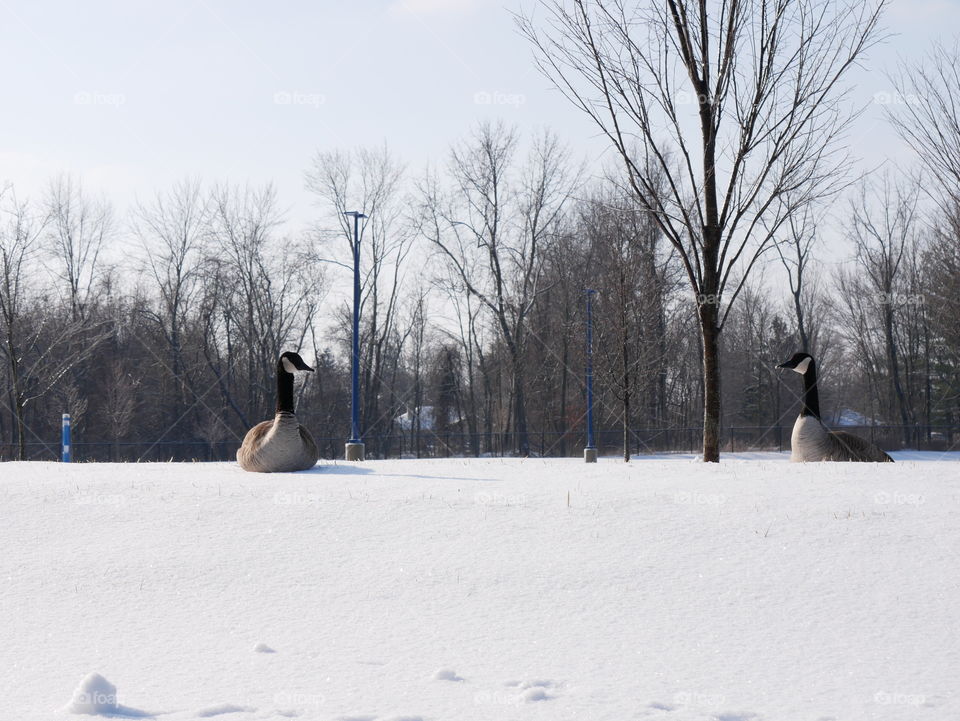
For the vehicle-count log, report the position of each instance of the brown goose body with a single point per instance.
(281, 445)
(278, 446)
(811, 441)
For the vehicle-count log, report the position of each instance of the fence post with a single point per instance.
(65, 438)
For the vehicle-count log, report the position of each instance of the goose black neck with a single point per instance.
(811, 397)
(284, 390)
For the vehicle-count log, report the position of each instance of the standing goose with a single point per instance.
(280, 445)
(811, 440)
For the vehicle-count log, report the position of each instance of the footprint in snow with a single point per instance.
(533, 691)
(662, 706)
(223, 708)
(263, 648)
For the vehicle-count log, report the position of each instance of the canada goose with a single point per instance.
(813, 441)
(280, 445)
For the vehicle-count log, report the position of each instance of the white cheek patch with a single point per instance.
(802, 366)
(288, 366)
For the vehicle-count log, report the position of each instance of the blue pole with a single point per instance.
(355, 369)
(65, 439)
(590, 294)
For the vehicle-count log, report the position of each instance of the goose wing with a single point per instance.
(848, 447)
(309, 445)
(247, 453)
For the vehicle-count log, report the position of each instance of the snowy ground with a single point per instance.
(454, 590)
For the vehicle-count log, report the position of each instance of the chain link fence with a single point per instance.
(545, 444)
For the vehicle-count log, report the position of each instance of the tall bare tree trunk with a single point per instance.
(711, 382)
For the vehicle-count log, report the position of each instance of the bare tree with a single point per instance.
(18, 240)
(928, 119)
(734, 105)
(171, 230)
(259, 288)
(882, 227)
(493, 228)
(41, 347)
(78, 228)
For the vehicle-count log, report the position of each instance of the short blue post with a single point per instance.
(590, 452)
(65, 439)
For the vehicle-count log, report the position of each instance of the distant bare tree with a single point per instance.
(733, 105)
(19, 234)
(882, 227)
(41, 347)
(493, 226)
(796, 255)
(171, 230)
(78, 229)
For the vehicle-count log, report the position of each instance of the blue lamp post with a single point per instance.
(354, 447)
(590, 451)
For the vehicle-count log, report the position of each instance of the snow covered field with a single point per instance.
(453, 590)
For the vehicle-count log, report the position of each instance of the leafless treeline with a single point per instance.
(473, 304)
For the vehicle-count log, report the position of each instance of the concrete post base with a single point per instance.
(590, 455)
(354, 452)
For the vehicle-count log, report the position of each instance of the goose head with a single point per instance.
(291, 362)
(799, 363)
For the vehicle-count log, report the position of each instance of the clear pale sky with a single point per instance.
(133, 95)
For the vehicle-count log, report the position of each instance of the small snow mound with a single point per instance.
(263, 648)
(94, 695)
(223, 708)
(446, 674)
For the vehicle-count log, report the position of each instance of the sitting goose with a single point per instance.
(280, 445)
(811, 440)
